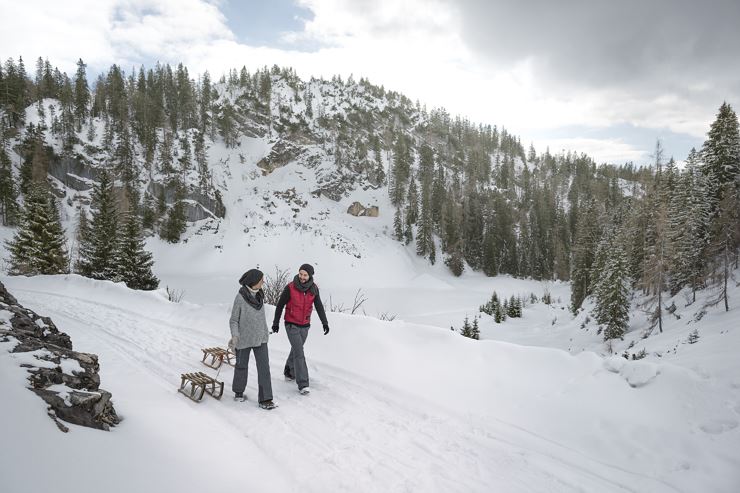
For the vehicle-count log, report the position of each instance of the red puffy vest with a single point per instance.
(299, 307)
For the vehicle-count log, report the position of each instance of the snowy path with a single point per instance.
(352, 433)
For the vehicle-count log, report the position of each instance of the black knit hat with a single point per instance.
(251, 277)
(308, 268)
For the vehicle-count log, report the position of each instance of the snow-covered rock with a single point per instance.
(66, 380)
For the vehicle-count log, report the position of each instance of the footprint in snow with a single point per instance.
(718, 425)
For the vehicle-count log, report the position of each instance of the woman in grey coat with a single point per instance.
(249, 333)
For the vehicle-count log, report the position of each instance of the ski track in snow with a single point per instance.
(351, 433)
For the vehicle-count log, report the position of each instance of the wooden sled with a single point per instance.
(196, 385)
(217, 356)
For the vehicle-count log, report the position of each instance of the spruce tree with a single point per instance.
(398, 233)
(475, 329)
(133, 262)
(658, 250)
(9, 209)
(725, 236)
(401, 170)
(39, 246)
(721, 151)
(466, 330)
(82, 237)
(176, 222)
(98, 252)
(583, 255)
(612, 297)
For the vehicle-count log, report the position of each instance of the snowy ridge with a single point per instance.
(396, 407)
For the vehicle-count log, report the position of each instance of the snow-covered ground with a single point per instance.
(537, 405)
(397, 406)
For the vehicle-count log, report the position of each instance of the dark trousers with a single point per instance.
(296, 366)
(262, 359)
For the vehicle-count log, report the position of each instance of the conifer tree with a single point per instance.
(82, 237)
(9, 209)
(176, 222)
(583, 256)
(721, 151)
(467, 328)
(97, 258)
(475, 329)
(401, 170)
(412, 212)
(398, 232)
(81, 92)
(658, 250)
(133, 262)
(201, 160)
(725, 236)
(612, 295)
(39, 246)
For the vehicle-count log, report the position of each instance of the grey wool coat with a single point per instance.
(248, 325)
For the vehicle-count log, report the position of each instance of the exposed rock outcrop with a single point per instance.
(65, 379)
(282, 153)
(357, 209)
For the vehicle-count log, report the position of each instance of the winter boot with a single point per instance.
(268, 405)
(304, 391)
(240, 397)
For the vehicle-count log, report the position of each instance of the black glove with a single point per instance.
(275, 328)
(326, 329)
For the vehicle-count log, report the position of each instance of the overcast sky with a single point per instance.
(603, 77)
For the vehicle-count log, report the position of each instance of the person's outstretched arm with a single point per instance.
(320, 310)
(284, 297)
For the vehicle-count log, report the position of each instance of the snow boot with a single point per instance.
(240, 397)
(268, 405)
(304, 391)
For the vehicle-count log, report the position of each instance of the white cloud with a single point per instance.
(601, 150)
(60, 31)
(417, 47)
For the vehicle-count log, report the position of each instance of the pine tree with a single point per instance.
(721, 151)
(176, 222)
(186, 162)
(583, 256)
(149, 212)
(9, 209)
(725, 234)
(401, 170)
(201, 160)
(82, 237)
(689, 215)
(612, 296)
(659, 251)
(134, 263)
(97, 257)
(455, 261)
(467, 329)
(39, 246)
(412, 203)
(82, 92)
(398, 225)
(475, 329)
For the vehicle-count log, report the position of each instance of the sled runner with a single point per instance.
(199, 384)
(217, 356)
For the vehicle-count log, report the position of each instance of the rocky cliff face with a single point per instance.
(65, 379)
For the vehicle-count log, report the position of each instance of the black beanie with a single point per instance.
(251, 277)
(308, 268)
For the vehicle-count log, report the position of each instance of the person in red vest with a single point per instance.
(298, 298)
